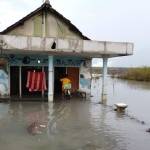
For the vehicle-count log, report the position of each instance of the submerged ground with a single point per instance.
(75, 124)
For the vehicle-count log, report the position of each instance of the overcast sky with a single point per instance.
(102, 20)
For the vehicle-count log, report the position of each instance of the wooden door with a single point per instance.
(73, 74)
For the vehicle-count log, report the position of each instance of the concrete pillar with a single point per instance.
(42, 90)
(104, 81)
(51, 119)
(20, 82)
(9, 80)
(50, 79)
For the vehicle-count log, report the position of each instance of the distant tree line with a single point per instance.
(138, 74)
(111, 70)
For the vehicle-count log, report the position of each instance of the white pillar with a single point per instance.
(104, 81)
(50, 79)
(42, 94)
(20, 81)
(9, 80)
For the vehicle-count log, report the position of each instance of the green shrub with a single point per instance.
(139, 74)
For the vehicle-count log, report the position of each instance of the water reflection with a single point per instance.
(135, 94)
(77, 124)
(67, 125)
(101, 122)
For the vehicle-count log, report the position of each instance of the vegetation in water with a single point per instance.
(138, 74)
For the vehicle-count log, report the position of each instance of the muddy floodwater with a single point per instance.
(80, 124)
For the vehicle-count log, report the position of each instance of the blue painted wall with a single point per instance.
(59, 61)
(32, 60)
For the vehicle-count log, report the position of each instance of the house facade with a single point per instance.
(45, 41)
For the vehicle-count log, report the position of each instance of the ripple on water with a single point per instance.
(74, 125)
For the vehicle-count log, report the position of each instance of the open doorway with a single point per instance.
(73, 75)
(25, 91)
(17, 92)
(59, 73)
(14, 81)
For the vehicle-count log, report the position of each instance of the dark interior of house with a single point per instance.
(14, 80)
(59, 73)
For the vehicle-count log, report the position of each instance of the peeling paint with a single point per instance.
(4, 90)
(85, 76)
(65, 46)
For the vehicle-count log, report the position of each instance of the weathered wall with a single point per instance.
(54, 27)
(85, 77)
(78, 47)
(24, 29)
(4, 89)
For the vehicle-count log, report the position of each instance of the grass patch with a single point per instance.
(138, 74)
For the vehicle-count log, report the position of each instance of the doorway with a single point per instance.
(73, 74)
(25, 91)
(59, 72)
(18, 87)
(14, 81)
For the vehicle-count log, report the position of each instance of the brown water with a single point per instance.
(78, 124)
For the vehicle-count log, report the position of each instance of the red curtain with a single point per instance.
(36, 81)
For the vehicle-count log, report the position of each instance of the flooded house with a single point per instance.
(44, 45)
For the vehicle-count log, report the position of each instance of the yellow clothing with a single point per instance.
(65, 83)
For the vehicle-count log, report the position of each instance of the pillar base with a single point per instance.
(104, 81)
(50, 98)
(104, 99)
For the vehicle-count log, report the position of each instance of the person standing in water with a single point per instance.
(66, 85)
